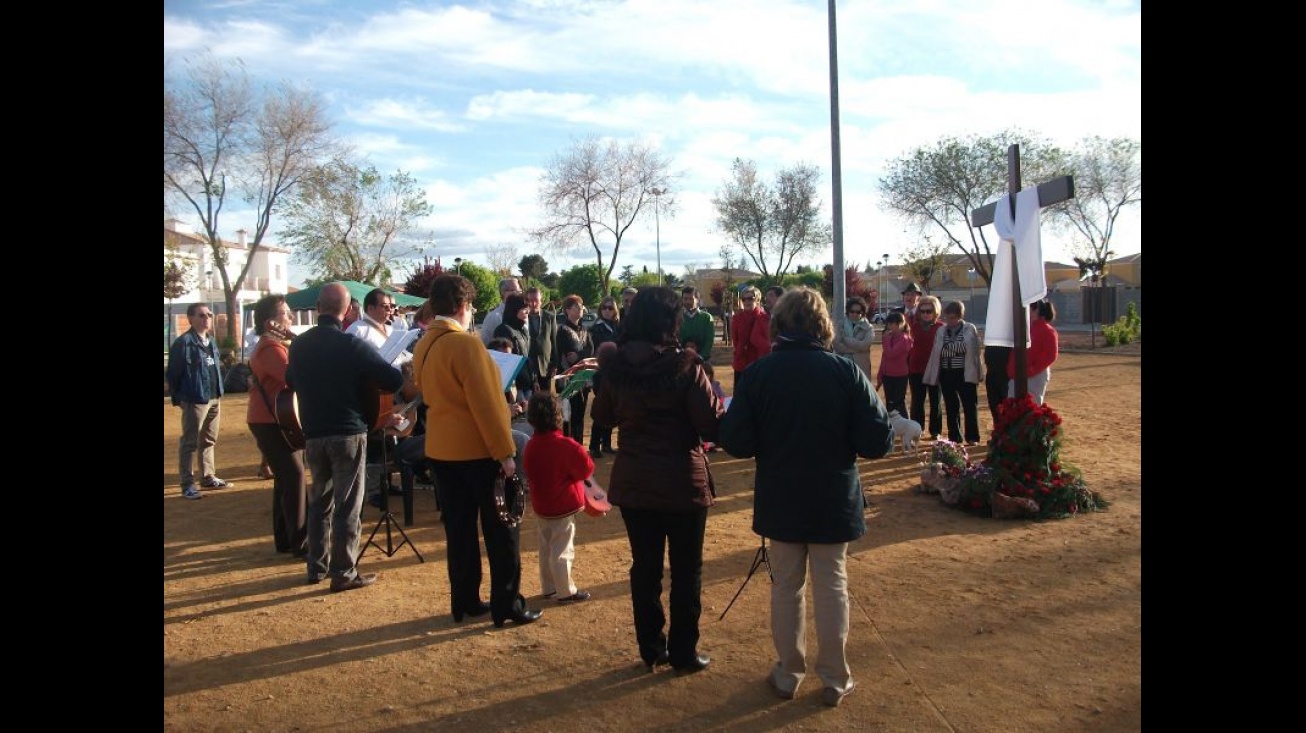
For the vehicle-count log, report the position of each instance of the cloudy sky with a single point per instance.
(475, 98)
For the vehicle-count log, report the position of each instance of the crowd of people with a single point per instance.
(650, 386)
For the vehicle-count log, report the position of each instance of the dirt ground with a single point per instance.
(958, 623)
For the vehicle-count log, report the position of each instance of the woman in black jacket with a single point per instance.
(806, 414)
(514, 329)
(603, 330)
(660, 399)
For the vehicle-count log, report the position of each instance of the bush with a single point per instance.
(1127, 328)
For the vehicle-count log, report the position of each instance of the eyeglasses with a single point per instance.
(203, 315)
(924, 310)
(608, 308)
(749, 299)
(855, 313)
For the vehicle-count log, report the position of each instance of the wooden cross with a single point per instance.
(1053, 192)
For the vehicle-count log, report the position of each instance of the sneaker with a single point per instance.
(213, 482)
(191, 492)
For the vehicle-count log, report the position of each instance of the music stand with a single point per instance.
(388, 517)
(759, 560)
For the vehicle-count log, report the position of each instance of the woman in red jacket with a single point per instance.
(923, 326)
(1044, 347)
(750, 329)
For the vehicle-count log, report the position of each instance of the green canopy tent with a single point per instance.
(306, 299)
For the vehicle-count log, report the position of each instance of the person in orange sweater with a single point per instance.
(1044, 348)
(750, 329)
(556, 467)
(469, 442)
(289, 485)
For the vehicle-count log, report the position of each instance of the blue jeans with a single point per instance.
(335, 500)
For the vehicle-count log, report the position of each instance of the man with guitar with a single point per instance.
(333, 374)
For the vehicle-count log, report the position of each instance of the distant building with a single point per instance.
(269, 273)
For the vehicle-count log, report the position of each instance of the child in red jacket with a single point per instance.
(556, 468)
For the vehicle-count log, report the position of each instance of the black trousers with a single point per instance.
(289, 488)
(466, 492)
(653, 533)
(895, 395)
(575, 427)
(960, 398)
(995, 377)
(919, 391)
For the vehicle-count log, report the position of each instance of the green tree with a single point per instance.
(1108, 179)
(773, 223)
(582, 280)
(937, 187)
(487, 287)
(627, 275)
(643, 279)
(222, 138)
(348, 222)
(594, 192)
(533, 268)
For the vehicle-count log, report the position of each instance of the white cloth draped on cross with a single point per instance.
(1022, 233)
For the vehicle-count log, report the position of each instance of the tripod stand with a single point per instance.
(759, 560)
(387, 516)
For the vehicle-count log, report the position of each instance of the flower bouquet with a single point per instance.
(943, 469)
(1022, 474)
(1024, 463)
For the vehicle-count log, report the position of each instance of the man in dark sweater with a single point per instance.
(331, 372)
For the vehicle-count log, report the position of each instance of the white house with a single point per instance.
(269, 273)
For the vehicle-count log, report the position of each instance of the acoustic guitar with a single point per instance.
(377, 403)
(287, 410)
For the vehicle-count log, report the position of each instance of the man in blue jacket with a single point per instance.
(195, 385)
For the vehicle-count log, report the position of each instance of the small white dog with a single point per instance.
(906, 429)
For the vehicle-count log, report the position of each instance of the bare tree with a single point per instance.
(348, 222)
(220, 136)
(772, 224)
(1108, 179)
(502, 257)
(592, 194)
(939, 186)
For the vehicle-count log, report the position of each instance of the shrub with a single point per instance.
(1126, 329)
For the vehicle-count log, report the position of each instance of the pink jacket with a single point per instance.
(893, 355)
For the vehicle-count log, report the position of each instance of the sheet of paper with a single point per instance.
(509, 365)
(395, 349)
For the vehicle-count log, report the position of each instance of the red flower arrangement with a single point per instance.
(1024, 462)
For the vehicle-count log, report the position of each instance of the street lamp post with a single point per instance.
(970, 275)
(879, 300)
(657, 224)
(458, 266)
